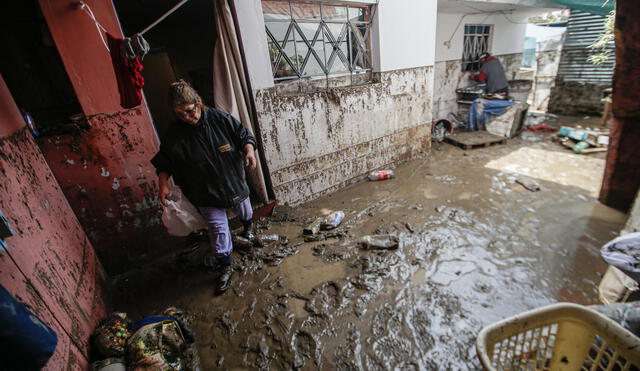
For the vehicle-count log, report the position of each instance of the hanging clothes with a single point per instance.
(128, 74)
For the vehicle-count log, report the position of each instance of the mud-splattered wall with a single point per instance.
(448, 77)
(321, 141)
(50, 265)
(545, 78)
(105, 172)
(570, 97)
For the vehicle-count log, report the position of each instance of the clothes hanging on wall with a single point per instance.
(128, 74)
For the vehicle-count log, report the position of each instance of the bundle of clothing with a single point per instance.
(158, 342)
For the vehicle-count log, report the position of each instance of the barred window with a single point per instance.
(477, 38)
(315, 40)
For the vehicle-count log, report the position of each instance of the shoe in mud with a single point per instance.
(248, 231)
(224, 280)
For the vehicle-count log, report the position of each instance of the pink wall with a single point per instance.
(50, 264)
(105, 173)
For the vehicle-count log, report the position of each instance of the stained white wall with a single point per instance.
(508, 33)
(404, 34)
(254, 41)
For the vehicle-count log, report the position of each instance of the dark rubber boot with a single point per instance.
(224, 281)
(248, 232)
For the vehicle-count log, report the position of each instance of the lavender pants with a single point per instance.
(218, 223)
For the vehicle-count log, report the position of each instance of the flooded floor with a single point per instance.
(475, 246)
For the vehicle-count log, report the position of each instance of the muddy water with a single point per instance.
(474, 247)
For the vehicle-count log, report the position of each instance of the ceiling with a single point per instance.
(481, 6)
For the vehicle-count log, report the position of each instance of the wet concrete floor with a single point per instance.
(475, 247)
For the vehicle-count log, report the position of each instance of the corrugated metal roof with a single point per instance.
(582, 30)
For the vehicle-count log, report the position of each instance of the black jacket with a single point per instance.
(206, 160)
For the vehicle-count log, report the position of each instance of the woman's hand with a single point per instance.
(249, 156)
(163, 187)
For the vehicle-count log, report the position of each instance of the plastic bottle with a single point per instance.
(30, 123)
(381, 175)
(380, 242)
(580, 146)
(332, 220)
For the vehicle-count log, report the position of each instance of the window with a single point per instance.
(311, 40)
(477, 39)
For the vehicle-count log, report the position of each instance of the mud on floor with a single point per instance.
(475, 246)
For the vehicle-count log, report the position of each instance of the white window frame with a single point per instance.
(474, 44)
(355, 34)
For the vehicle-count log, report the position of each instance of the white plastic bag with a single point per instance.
(179, 215)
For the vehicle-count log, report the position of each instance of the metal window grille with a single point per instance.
(315, 40)
(477, 38)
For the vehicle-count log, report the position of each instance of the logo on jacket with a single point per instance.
(224, 148)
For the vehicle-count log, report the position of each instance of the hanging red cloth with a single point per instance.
(128, 74)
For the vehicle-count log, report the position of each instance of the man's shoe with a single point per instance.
(224, 280)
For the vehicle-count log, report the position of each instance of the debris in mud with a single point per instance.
(274, 255)
(369, 210)
(528, 184)
(332, 253)
(314, 227)
(110, 336)
(315, 238)
(282, 213)
(379, 241)
(324, 236)
(241, 243)
(164, 341)
(381, 175)
(324, 299)
(332, 220)
(377, 264)
(409, 227)
(368, 282)
(267, 239)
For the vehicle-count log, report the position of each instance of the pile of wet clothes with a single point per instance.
(159, 342)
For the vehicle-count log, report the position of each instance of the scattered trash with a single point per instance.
(332, 220)
(381, 175)
(580, 146)
(241, 242)
(440, 129)
(110, 336)
(603, 140)
(314, 227)
(538, 117)
(578, 134)
(109, 364)
(282, 213)
(409, 227)
(380, 241)
(529, 184)
(540, 127)
(593, 150)
(266, 239)
(164, 342)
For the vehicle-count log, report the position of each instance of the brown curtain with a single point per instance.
(230, 89)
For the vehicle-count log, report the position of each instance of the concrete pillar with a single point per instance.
(622, 174)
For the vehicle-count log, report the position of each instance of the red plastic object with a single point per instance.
(540, 127)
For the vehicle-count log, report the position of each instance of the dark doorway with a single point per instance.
(181, 48)
(31, 66)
